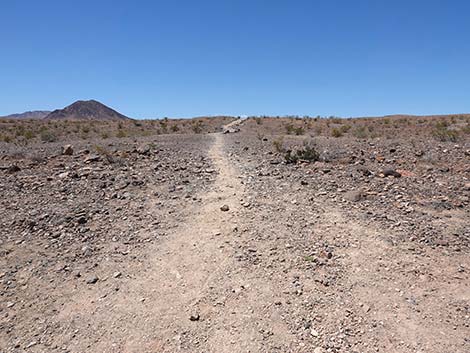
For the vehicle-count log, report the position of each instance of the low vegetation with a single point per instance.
(294, 154)
(24, 132)
(306, 153)
(450, 128)
(440, 128)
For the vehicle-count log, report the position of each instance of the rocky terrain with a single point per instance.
(282, 235)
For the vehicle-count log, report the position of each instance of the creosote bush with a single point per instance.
(278, 145)
(106, 154)
(307, 153)
(443, 133)
(121, 133)
(360, 132)
(197, 127)
(48, 136)
(299, 131)
(336, 132)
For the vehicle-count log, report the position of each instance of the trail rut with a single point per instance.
(192, 272)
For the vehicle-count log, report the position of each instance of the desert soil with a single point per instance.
(211, 243)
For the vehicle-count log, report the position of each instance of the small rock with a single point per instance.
(390, 172)
(224, 208)
(92, 158)
(354, 196)
(31, 344)
(364, 171)
(92, 280)
(314, 332)
(63, 175)
(13, 169)
(81, 220)
(67, 150)
(194, 317)
(143, 149)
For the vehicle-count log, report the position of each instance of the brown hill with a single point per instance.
(86, 110)
(36, 114)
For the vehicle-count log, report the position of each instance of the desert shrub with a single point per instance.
(164, 125)
(175, 128)
(466, 129)
(345, 128)
(29, 135)
(121, 133)
(360, 132)
(318, 129)
(19, 130)
(197, 127)
(442, 133)
(259, 121)
(7, 138)
(48, 136)
(86, 129)
(289, 128)
(278, 145)
(307, 153)
(336, 132)
(104, 135)
(299, 131)
(105, 153)
(442, 124)
(335, 120)
(403, 121)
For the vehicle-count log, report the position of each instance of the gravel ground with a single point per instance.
(214, 243)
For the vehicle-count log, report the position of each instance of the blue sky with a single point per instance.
(246, 57)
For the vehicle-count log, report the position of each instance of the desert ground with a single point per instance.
(286, 235)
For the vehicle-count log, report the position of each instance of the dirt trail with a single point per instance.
(275, 273)
(190, 273)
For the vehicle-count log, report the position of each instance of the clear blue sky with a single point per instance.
(190, 58)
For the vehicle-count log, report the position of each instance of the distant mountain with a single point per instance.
(86, 110)
(36, 114)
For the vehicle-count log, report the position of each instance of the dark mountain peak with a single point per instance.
(86, 110)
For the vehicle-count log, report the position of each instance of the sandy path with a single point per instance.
(192, 272)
